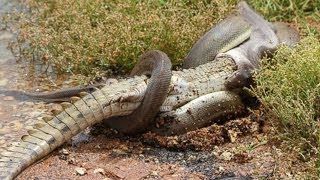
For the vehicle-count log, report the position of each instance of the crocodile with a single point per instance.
(192, 97)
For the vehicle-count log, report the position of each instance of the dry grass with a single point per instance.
(289, 84)
(90, 37)
(97, 37)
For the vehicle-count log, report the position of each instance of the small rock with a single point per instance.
(99, 170)
(80, 171)
(28, 103)
(154, 173)
(35, 113)
(232, 135)
(156, 161)
(65, 151)
(8, 98)
(227, 156)
(2, 142)
(118, 152)
(3, 82)
(72, 161)
(16, 125)
(221, 169)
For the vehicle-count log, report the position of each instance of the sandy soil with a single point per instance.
(244, 148)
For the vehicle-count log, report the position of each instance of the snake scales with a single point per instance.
(227, 34)
(233, 51)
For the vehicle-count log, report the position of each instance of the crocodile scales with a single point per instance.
(116, 99)
(192, 94)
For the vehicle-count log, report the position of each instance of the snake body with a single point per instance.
(286, 34)
(225, 35)
(264, 38)
(158, 65)
(246, 26)
(196, 95)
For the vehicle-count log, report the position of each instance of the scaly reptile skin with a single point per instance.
(208, 81)
(203, 110)
(226, 35)
(55, 96)
(158, 65)
(117, 99)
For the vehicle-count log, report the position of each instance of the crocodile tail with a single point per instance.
(51, 133)
(114, 99)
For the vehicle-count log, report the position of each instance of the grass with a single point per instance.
(100, 37)
(289, 84)
(90, 37)
(97, 37)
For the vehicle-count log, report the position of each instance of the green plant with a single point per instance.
(289, 84)
(90, 37)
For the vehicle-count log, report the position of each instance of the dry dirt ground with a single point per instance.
(244, 148)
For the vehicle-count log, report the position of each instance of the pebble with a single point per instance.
(154, 173)
(29, 103)
(4, 131)
(8, 98)
(35, 114)
(118, 152)
(3, 82)
(232, 135)
(99, 170)
(156, 161)
(65, 151)
(72, 161)
(80, 171)
(16, 125)
(226, 155)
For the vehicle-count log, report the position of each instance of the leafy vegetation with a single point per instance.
(289, 84)
(92, 37)
(95, 36)
(99, 36)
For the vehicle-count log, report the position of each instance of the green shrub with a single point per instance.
(92, 36)
(289, 84)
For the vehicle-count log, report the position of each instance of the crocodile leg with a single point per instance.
(117, 99)
(201, 111)
(120, 99)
